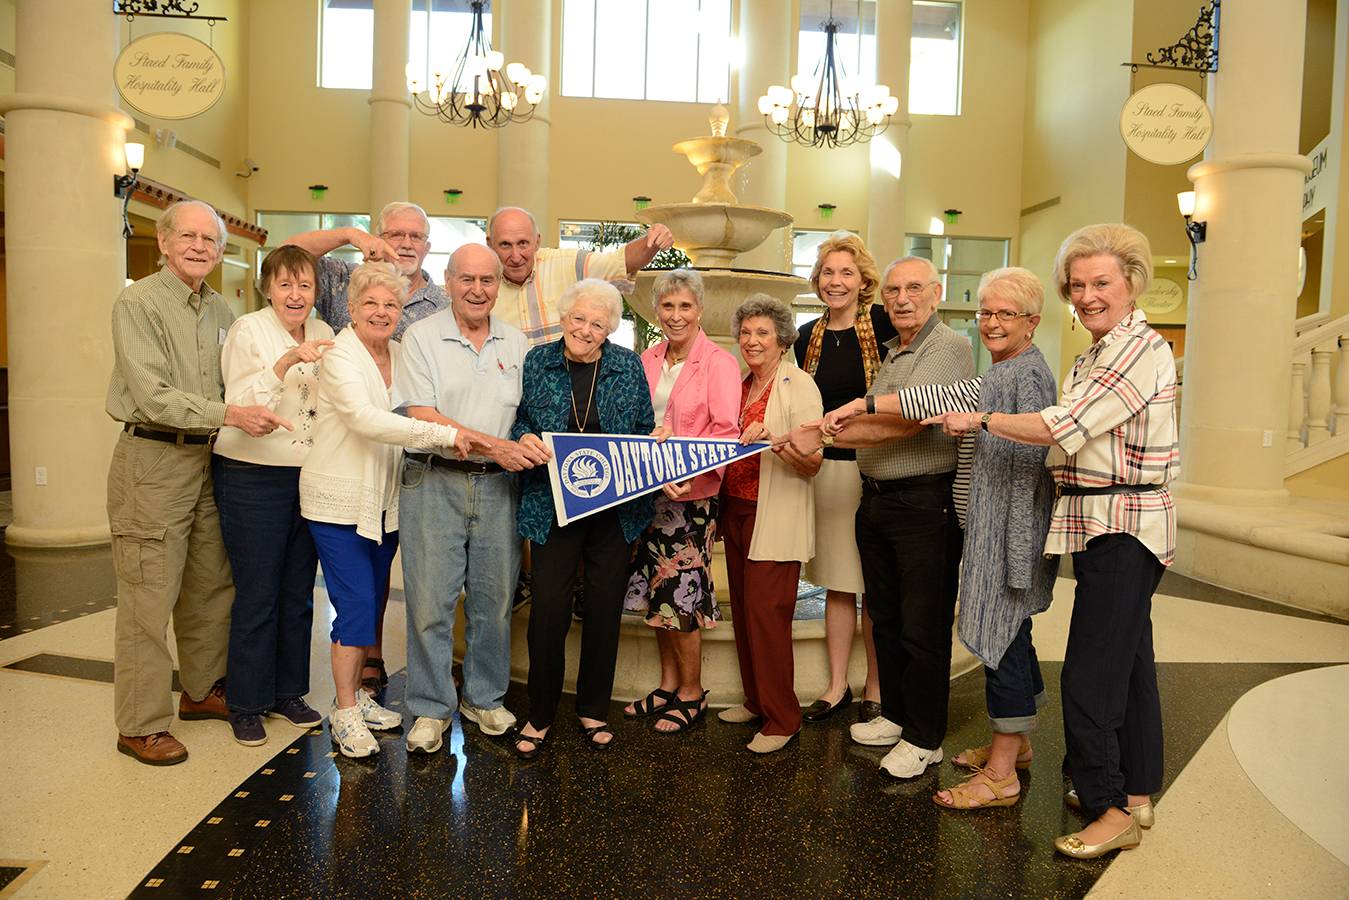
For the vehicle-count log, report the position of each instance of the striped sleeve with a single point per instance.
(924, 400)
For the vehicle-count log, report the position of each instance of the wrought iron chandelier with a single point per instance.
(478, 88)
(825, 109)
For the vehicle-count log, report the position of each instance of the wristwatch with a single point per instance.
(871, 404)
(827, 440)
(983, 421)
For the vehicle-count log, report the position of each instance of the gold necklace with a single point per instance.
(580, 422)
(755, 395)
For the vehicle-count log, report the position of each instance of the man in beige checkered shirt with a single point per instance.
(168, 393)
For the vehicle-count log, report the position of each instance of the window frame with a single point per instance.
(960, 58)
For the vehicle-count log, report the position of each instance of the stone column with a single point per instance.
(767, 35)
(1248, 190)
(525, 28)
(389, 105)
(63, 143)
(885, 213)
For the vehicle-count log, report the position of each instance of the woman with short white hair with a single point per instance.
(349, 488)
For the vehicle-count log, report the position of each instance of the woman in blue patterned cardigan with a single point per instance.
(582, 383)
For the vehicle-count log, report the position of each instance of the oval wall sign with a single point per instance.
(1166, 124)
(169, 76)
(1162, 296)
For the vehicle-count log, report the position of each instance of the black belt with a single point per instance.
(459, 465)
(171, 437)
(1067, 490)
(890, 485)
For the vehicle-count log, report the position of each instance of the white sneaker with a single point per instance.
(376, 716)
(426, 734)
(350, 734)
(492, 721)
(879, 732)
(908, 761)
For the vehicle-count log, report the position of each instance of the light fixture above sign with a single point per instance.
(478, 88)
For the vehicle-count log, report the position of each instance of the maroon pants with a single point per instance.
(763, 598)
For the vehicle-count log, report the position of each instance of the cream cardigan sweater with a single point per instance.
(351, 474)
(784, 525)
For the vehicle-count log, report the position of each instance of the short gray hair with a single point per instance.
(771, 308)
(596, 291)
(1019, 285)
(400, 206)
(450, 270)
(492, 219)
(672, 280)
(167, 223)
(932, 273)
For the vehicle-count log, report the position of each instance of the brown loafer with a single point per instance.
(212, 706)
(158, 749)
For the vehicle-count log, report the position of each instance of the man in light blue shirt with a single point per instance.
(461, 366)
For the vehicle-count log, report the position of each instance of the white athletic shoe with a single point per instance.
(908, 761)
(350, 734)
(426, 734)
(492, 721)
(879, 732)
(376, 716)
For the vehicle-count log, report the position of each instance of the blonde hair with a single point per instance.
(866, 265)
(1019, 285)
(1127, 244)
(373, 275)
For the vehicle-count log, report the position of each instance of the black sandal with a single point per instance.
(590, 733)
(647, 705)
(375, 683)
(692, 710)
(534, 741)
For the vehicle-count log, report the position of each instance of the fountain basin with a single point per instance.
(723, 291)
(714, 234)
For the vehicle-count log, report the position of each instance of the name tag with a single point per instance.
(221, 338)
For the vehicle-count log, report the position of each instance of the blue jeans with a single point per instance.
(273, 559)
(1014, 691)
(458, 533)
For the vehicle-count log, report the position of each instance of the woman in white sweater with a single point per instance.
(349, 488)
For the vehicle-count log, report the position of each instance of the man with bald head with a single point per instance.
(461, 366)
(534, 278)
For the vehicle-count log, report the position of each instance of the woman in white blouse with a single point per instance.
(349, 488)
(270, 358)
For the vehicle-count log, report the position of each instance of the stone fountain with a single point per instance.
(714, 228)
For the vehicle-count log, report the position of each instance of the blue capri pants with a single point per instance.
(356, 571)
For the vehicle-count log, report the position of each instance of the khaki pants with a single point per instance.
(170, 561)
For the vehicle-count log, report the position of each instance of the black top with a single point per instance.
(840, 375)
(583, 397)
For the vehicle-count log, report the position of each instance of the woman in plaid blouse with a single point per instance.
(1112, 450)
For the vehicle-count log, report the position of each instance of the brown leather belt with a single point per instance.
(469, 466)
(889, 485)
(171, 436)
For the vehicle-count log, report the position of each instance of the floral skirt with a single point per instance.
(671, 581)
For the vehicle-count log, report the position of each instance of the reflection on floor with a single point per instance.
(692, 815)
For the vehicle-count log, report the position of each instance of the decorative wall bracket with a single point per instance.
(1197, 49)
(163, 9)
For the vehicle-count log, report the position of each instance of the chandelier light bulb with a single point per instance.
(495, 60)
(780, 95)
(802, 84)
(765, 105)
(538, 84)
(779, 115)
(508, 100)
(532, 96)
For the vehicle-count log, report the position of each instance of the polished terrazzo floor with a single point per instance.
(660, 816)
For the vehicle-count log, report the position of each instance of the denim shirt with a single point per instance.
(545, 405)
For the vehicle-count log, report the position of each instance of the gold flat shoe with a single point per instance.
(1072, 845)
(1143, 812)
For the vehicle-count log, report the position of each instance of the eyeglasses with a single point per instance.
(191, 237)
(581, 322)
(1002, 315)
(913, 289)
(397, 237)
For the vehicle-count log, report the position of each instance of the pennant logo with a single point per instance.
(590, 473)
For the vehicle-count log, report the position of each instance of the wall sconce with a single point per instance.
(1197, 232)
(316, 191)
(827, 210)
(952, 215)
(124, 185)
(640, 202)
(452, 195)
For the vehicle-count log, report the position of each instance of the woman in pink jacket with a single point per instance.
(694, 389)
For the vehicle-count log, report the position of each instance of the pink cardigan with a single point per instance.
(705, 401)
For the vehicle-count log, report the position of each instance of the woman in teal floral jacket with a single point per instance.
(582, 383)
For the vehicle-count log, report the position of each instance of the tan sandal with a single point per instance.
(965, 795)
(977, 757)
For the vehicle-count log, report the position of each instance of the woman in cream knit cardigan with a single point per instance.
(349, 488)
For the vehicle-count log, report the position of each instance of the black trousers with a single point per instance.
(910, 543)
(1112, 713)
(598, 541)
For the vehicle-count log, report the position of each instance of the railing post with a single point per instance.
(1296, 405)
(1318, 395)
(1341, 391)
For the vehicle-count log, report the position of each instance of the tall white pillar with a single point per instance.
(389, 105)
(63, 144)
(767, 35)
(523, 148)
(1240, 324)
(885, 212)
